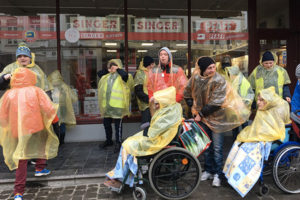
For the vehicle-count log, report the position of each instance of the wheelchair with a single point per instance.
(173, 173)
(284, 162)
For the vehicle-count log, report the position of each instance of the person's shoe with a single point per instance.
(107, 143)
(33, 162)
(117, 147)
(18, 196)
(43, 172)
(217, 181)
(113, 185)
(206, 175)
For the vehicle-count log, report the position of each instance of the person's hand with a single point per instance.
(198, 118)
(7, 76)
(151, 99)
(288, 99)
(113, 69)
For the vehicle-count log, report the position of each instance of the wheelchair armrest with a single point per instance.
(295, 117)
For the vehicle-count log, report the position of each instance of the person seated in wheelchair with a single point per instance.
(253, 145)
(295, 104)
(163, 128)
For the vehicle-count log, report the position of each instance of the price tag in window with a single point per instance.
(72, 35)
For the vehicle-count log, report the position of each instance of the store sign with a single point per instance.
(95, 23)
(218, 25)
(201, 36)
(158, 25)
(30, 36)
(72, 35)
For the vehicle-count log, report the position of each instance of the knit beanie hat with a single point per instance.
(23, 50)
(204, 62)
(298, 71)
(147, 61)
(267, 56)
(226, 61)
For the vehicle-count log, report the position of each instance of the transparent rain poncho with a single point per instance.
(141, 78)
(63, 95)
(26, 115)
(269, 122)
(113, 94)
(240, 84)
(42, 81)
(158, 81)
(214, 90)
(261, 78)
(163, 127)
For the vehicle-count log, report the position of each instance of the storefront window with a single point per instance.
(272, 14)
(89, 41)
(276, 46)
(36, 31)
(222, 32)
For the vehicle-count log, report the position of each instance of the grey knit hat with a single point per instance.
(297, 73)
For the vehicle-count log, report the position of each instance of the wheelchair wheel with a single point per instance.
(174, 173)
(264, 190)
(139, 193)
(286, 169)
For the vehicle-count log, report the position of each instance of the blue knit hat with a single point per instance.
(267, 56)
(23, 50)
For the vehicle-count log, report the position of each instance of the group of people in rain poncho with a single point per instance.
(35, 111)
(221, 99)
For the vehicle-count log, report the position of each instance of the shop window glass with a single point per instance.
(153, 25)
(223, 31)
(272, 14)
(91, 36)
(276, 46)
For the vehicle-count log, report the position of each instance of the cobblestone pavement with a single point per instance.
(100, 192)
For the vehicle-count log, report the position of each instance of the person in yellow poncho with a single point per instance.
(113, 98)
(218, 108)
(25, 59)
(268, 74)
(253, 145)
(26, 115)
(141, 92)
(240, 84)
(163, 128)
(64, 96)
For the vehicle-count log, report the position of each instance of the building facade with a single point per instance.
(79, 37)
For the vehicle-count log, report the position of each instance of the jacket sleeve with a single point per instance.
(102, 73)
(4, 84)
(209, 109)
(123, 74)
(286, 91)
(138, 89)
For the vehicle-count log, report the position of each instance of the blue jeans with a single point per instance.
(214, 154)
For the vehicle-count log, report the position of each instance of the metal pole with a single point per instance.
(58, 35)
(126, 35)
(189, 36)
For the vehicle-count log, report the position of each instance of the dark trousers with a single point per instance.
(236, 131)
(21, 174)
(108, 129)
(214, 154)
(62, 134)
(146, 118)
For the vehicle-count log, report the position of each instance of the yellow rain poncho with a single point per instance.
(269, 123)
(214, 90)
(262, 78)
(42, 81)
(163, 127)
(63, 95)
(113, 94)
(26, 115)
(240, 84)
(141, 78)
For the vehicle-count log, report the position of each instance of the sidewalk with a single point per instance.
(78, 173)
(76, 163)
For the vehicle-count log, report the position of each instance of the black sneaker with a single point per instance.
(117, 147)
(107, 143)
